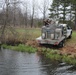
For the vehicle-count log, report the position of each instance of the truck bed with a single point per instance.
(49, 41)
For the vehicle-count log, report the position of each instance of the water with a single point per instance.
(18, 63)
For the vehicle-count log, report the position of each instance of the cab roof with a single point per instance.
(64, 25)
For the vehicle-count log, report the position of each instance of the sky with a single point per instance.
(38, 6)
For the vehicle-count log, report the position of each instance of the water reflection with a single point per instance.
(18, 63)
(52, 66)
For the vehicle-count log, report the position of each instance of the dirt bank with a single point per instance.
(67, 49)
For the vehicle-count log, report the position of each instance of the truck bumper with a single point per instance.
(47, 41)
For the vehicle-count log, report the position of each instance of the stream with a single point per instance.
(21, 63)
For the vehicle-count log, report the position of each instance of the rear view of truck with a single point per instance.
(54, 34)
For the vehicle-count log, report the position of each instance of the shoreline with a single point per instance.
(52, 54)
(25, 42)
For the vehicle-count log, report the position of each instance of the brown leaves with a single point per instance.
(69, 49)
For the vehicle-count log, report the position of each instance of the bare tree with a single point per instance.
(6, 20)
(25, 4)
(14, 19)
(44, 8)
(26, 15)
(33, 13)
(6, 11)
(15, 4)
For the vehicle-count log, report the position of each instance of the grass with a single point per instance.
(21, 35)
(20, 47)
(55, 55)
(69, 60)
(52, 54)
(25, 35)
(30, 34)
(73, 39)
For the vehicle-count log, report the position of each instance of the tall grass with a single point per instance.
(30, 34)
(21, 35)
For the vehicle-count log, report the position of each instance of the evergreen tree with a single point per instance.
(54, 9)
(64, 5)
(73, 2)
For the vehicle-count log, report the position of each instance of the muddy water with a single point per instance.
(18, 63)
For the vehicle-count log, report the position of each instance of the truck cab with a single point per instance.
(66, 30)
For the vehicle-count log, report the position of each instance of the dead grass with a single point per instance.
(21, 35)
(28, 36)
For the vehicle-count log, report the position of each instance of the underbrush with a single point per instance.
(21, 35)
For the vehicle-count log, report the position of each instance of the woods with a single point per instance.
(23, 13)
(32, 14)
(65, 11)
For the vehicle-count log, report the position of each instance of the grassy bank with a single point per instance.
(52, 54)
(20, 47)
(56, 55)
(18, 40)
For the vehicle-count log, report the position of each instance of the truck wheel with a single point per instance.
(61, 44)
(70, 36)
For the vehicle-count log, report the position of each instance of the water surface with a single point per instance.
(18, 63)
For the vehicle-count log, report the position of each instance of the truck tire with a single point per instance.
(61, 44)
(70, 36)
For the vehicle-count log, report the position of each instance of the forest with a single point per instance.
(22, 13)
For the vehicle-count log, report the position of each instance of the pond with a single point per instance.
(19, 63)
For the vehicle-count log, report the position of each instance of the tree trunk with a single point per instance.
(32, 19)
(6, 21)
(64, 13)
(75, 19)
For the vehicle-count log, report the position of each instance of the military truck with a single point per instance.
(54, 34)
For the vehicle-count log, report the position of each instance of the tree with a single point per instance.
(6, 20)
(33, 13)
(74, 9)
(26, 15)
(44, 8)
(54, 9)
(58, 8)
(65, 4)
